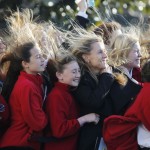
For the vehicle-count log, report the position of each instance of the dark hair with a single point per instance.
(58, 65)
(145, 72)
(15, 58)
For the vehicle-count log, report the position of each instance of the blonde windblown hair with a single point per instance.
(80, 42)
(121, 48)
(24, 29)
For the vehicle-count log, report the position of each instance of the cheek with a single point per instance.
(131, 56)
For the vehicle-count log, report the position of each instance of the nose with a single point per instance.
(44, 61)
(104, 54)
(78, 74)
(139, 54)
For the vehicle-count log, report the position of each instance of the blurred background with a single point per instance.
(61, 11)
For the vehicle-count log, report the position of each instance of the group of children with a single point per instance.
(70, 89)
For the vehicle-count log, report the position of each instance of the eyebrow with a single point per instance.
(37, 55)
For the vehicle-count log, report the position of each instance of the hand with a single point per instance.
(92, 117)
(82, 4)
(108, 69)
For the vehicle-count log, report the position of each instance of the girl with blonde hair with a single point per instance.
(125, 53)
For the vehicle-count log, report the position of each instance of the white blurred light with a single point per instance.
(61, 9)
(53, 14)
(114, 10)
(63, 14)
(68, 7)
(50, 4)
(96, 18)
(125, 6)
(140, 8)
(105, 3)
(142, 3)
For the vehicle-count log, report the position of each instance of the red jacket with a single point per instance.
(4, 116)
(27, 116)
(62, 114)
(120, 132)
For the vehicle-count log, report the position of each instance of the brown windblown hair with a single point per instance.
(106, 29)
(57, 64)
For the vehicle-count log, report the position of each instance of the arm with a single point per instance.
(57, 109)
(82, 17)
(144, 107)
(31, 105)
(91, 97)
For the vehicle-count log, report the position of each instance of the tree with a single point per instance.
(60, 11)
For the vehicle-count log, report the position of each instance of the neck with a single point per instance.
(29, 72)
(94, 70)
(126, 70)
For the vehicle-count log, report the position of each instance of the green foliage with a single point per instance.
(61, 11)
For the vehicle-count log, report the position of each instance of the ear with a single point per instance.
(85, 57)
(59, 76)
(25, 64)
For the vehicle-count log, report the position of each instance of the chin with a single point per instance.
(137, 66)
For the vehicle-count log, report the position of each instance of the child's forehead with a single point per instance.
(35, 50)
(72, 64)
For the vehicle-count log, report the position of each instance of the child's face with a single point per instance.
(70, 75)
(37, 62)
(134, 56)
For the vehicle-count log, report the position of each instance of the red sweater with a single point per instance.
(4, 116)
(62, 114)
(120, 131)
(27, 116)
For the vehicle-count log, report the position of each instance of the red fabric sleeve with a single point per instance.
(144, 106)
(31, 104)
(58, 111)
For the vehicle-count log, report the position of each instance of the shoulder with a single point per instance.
(56, 94)
(58, 97)
(24, 83)
(146, 88)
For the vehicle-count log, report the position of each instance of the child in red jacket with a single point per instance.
(23, 90)
(61, 108)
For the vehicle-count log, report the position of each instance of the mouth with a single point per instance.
(138, 60)
(76, 80)
(42, 65)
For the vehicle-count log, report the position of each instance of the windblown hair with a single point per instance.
(23, 28)
(58, 63)
(145, 72)
(121, 47)
(145, 45)
(106, 30)
(15, 58)
(80, 42)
